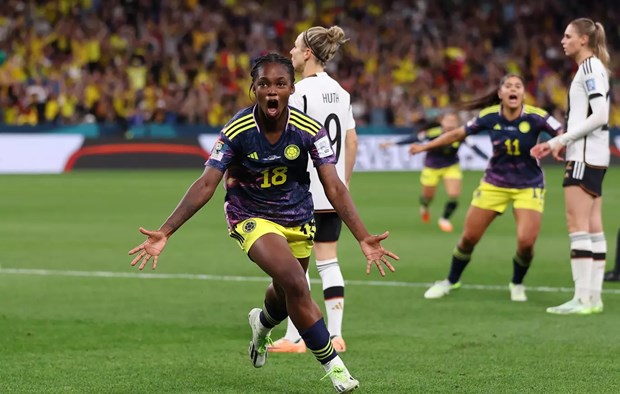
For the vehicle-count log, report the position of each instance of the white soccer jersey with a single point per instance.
(323, 99)
(590, 81)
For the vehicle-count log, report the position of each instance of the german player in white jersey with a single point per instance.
(321, 97)
(586, 144)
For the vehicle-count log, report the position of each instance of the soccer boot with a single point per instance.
(341, 379)
(339, 345)
(572, 307)
(517, 292)
(284, 345)
(260, 339)
(597, 307)
(440, 289)
(445, 225)
(425, 215)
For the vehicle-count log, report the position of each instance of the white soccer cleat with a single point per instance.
(517, 292)
(260, 339)
(597, 307)
(440, 289)
(572, 307)
(341, 379)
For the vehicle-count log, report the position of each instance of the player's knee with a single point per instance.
(295, 286)
(525, 246)
(468, 242)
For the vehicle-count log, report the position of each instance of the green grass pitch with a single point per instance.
(76, 318)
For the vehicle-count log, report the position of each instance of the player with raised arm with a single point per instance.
(439, 164)
(586, 142)
(322, 97)
(512, 176)
(263, 153)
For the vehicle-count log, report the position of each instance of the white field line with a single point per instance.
(230, 278)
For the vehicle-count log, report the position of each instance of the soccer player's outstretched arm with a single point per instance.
(444, 139)
(340, 198)
(198, 194)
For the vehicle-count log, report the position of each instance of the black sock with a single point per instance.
(449, 208)
(317, 340)
(425, 201)
(460, 259)
(520, 265)
(270, 316)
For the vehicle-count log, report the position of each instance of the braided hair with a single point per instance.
(271, 58)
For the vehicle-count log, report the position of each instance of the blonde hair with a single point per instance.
(324, 43)
(596, 37)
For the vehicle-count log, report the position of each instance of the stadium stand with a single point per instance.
(133, 62)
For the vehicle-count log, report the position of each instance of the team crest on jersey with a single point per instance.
(249, 226)
(291, 152)
(524, 127)
(590, 85)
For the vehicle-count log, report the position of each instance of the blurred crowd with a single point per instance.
(132, 62)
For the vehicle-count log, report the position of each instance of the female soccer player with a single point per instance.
(511, 176)
(264, 152)
(322, 98)
(587, 157)
(441, 163)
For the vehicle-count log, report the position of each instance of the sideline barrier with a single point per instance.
(57, 153)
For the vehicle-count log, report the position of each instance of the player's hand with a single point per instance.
(540, 150)
(558, 152)
(152, 247)
(414, 149)
(375, 254)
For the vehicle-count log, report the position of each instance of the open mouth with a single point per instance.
(272, 107)
(513, 99)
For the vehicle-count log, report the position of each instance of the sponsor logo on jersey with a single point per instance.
(253, 155)
(291, 152)
(497, 127)
(590, 85)
(524, 127)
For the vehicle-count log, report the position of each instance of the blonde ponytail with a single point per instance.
(596, 37)
(600, 45)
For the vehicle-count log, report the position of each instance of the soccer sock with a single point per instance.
(581, 264)
(520, 265)
(460, 259)
(425, 202)
(317, 340)
(333, 293)
(449, 208)
(292, 334)
(599, 253)
(271, 316)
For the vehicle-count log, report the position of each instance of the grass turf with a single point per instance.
(61, 332)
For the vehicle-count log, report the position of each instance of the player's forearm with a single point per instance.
(340, 198)
(198, 194)
(446, 139)
(350, 154)
(598, 118)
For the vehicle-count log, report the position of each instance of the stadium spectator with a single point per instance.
(403, 58)
(512, 176)
(586, 163)
(322, 98)
(264, 152)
